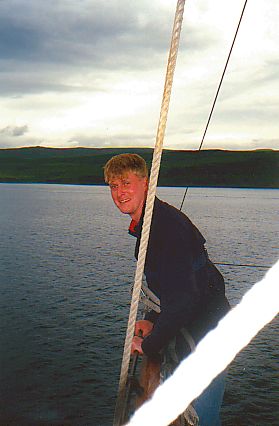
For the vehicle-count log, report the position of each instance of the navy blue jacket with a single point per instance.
(177, 269)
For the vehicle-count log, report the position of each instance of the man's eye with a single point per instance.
(126, 183)
(113, 186)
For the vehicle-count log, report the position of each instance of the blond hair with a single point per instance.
(121, 164)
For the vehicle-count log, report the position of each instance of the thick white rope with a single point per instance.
(148, 210)
(213, 354)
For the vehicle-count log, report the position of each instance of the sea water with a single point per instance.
(66, 272)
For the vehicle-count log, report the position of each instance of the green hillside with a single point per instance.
(258, 169)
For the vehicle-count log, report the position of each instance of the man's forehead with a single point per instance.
(122, 176)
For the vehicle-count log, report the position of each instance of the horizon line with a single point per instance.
(135, 147)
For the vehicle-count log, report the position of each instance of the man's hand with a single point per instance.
(136, 345)
(143, 328)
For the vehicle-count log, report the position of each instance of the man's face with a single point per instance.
(128, 193)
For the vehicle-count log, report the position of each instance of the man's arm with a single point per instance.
(179, 292)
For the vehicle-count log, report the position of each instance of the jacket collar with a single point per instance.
(135, 228)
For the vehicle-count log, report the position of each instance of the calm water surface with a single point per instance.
(66, 270)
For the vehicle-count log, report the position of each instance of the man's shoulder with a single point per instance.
(168, 212)
(174, 221)
(168, 218)
(164, 207)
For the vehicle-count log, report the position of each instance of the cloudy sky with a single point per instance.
(91, 73)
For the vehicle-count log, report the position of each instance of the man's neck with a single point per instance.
(136, 216)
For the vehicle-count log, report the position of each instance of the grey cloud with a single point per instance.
(14, 131)
(59, 32)
(20, 130)
(59, 37)
(16, 41)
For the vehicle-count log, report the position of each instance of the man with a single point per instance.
(178, 271)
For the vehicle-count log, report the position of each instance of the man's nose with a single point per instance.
(120, 190)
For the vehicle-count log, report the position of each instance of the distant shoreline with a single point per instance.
(257, 169)
(159, 186)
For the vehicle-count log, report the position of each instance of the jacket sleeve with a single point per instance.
(179, 292)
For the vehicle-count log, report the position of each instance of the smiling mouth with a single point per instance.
(124, 201)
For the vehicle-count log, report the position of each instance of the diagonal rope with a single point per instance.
(244, 265)
(118, 416)
(218, 90)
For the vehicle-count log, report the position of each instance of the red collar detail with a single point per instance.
(132, 226)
